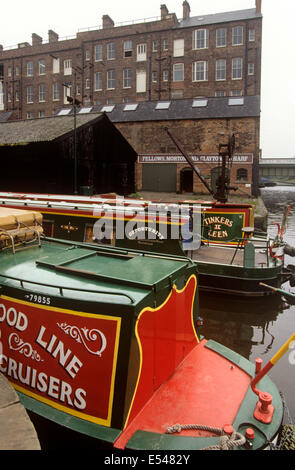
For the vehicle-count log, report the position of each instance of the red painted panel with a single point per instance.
(64, 358)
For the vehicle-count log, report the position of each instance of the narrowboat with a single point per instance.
(235, 267)
(104, 341)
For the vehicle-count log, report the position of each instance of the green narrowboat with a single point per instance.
(235, 263)
(104, 341)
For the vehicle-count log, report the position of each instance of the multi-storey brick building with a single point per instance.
(211, 56)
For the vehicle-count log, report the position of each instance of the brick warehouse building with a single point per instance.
(167, 60)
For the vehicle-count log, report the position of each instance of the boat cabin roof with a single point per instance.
(97, 273)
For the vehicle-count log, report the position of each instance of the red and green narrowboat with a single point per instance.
(104, 341)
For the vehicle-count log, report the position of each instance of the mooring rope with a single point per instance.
(226, 442)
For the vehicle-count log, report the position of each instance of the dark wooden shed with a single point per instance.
(38, 155)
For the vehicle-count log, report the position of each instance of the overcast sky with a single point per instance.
(19, 19)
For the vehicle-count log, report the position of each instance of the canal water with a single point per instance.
(252, 327)
(259, 327)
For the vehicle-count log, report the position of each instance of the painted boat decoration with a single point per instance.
(234, 267)
(105, 341)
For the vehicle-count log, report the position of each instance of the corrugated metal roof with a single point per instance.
(226, 17)
(40, 130)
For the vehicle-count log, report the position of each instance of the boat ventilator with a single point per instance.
(229, 438)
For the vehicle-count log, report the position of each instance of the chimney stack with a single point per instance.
(186, 10)
(107, 22)
(52, 36)
(36, 40)
(258, 6)
(164, 12)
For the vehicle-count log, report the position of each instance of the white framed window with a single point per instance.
(237, 35)
(220, 73)
(30, 94)
(55, 65)
(127, 48)
(17, 96)
(154, 77)
(165, 44)
(165, 75)
(68, 67)
(67, 92)
(235, 93)
(87, 83)
(30, 115)
(178, 72)
(87, 54)
(98, 81)
(155, 46)
(42, 92)
(220, 93)
(9, 71)
(237, 68)
(200, 71)
(141, 81)
(178, 48)
(251, 35)
(30, 69)
(127, 73)
(141, 52)
(17, 70)
(55, 92)
(110, 79)
(98, 52)
(42, 67)
(200, 39)
(221, 37)
(251, 68)
(41, 114)
(111, 53)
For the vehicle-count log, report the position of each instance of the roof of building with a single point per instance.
(230, 16)
(203, 108)
(40, 130)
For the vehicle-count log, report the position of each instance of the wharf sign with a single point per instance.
(175, 158)
(63, 358)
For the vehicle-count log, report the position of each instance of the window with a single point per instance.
(200, 39)
(165, 75)
(220, 94)
(87, 54)
(130, 107)
(42, 67)
(127, 48)
(68, 67)
(17, 70)
(30, 115)
(41, 114)
(242, 174)
(98, 81)
(163, 105)
(30, 95)
(141, 52)
(42, 92)
(111, 51)
(251, 35)
(200, 71)
(155, 46)
(111, 79)
(55, 94)
(29, 69)
(236, 93)
(235, 101)
(178, 48)
(87, 83)
(154, 77)
(221, 37)
(237, 36)
(251, 69)
(127, 78)
(178, 72)
(237, 68)
(98, 52)
(221, 69)
(200, 103)
(141, 81)
(67, 92)
(78, 89)
(165, 44)
(55, 65)
(9, 71)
